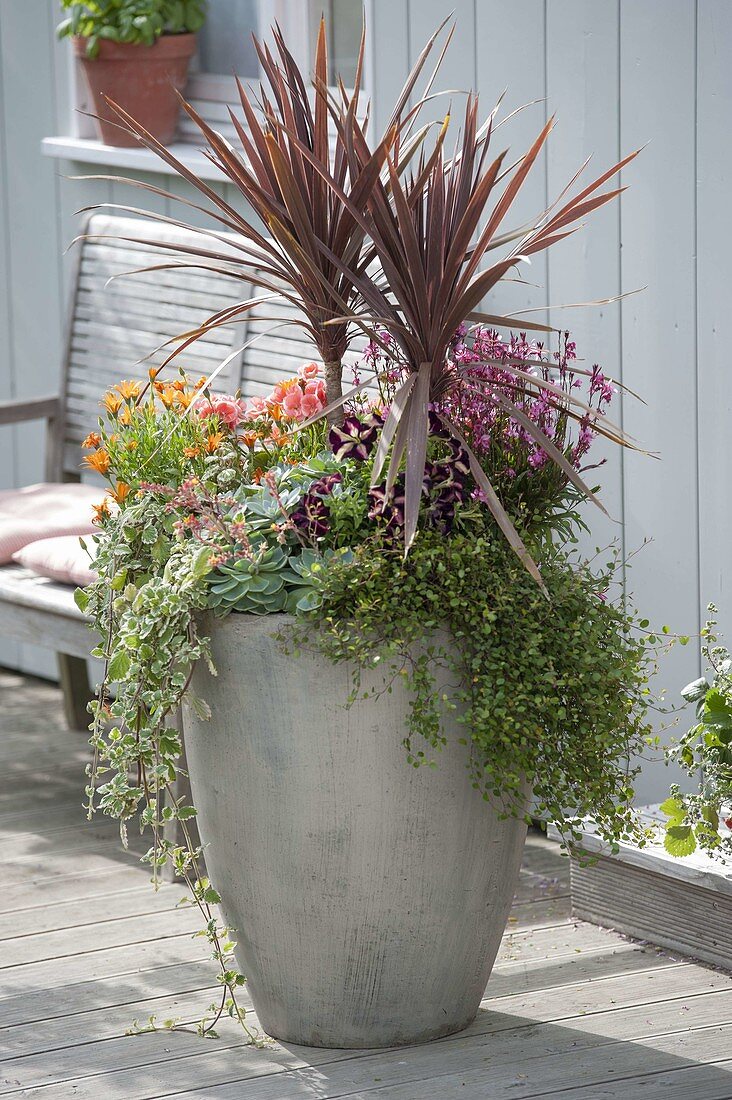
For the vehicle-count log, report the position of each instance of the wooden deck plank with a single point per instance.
(675, 990)
(571, 1011)
(616, 1044)
(51, 974)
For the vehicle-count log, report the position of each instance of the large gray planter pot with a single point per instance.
(368, 897)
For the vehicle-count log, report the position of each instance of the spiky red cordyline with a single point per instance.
(426, 232)
(330, 216)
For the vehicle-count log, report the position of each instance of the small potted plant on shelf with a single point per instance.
(367, 603)
(137, 52)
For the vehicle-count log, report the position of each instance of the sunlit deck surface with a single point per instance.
(87, 947)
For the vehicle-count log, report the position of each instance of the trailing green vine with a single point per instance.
(554, 691)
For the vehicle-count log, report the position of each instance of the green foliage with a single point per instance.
(553, 690)
(273, 581)
(138, 22)
(705, 753)
(147, 619)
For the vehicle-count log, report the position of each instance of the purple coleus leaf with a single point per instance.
(356, 437)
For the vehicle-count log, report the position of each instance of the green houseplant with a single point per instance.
(137, 52)
(381, 578)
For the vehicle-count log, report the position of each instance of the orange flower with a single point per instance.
(183, 399)
(214, 441)
(167, 396)
(279, 437)
(250, 438)
(112, 403)
(128, 390)
(191, 452)
(131, 445)
(121, 493)
(93, 440)
(201, 382)
(125, 416)
(275, 411)
(257, 476)
(101, 511)
(179, 384)
(99, 461)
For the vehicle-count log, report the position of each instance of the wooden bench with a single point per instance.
(110, 328)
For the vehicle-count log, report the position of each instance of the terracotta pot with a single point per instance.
(368, 897)
(141, 79)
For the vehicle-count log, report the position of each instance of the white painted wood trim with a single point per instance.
(88, 151)
(698, 869)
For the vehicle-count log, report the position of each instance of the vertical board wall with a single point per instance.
(617, 74)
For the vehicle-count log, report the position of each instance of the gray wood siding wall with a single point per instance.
(618, 73)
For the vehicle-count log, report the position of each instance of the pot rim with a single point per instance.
(168, 45)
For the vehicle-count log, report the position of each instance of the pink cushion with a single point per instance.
(41, 511)
(62, 559)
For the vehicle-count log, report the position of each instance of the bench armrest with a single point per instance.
(36, 408)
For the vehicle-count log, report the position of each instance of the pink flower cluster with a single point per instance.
(296, 399)
(231, 411)
(481, 409)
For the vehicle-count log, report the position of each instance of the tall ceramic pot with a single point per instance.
(141, 79)
(368, 897)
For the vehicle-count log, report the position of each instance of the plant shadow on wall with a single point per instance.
(437, 498)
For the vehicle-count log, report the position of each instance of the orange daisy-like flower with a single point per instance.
(257, 476)
(92, 441)
(201, 382)
(167, 396)
(128, 390)
(182, 399)
(275, 411)
(250, 438)
(125, 416)
(101, 512)
(98, 461)
(131, 445)
(112, 403)
(191, 452)
(179, 385)
(214, 442)
(121, 493)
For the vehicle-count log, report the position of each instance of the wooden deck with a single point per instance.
(571, 1012)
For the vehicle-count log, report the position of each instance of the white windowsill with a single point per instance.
(88, 151)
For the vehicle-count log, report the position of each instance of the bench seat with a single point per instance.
(35, 609)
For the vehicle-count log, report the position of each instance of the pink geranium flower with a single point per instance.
(257, 407)
(292, 403)
(317, 387)
(228, 410)
(309, 370)
(310, 405)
